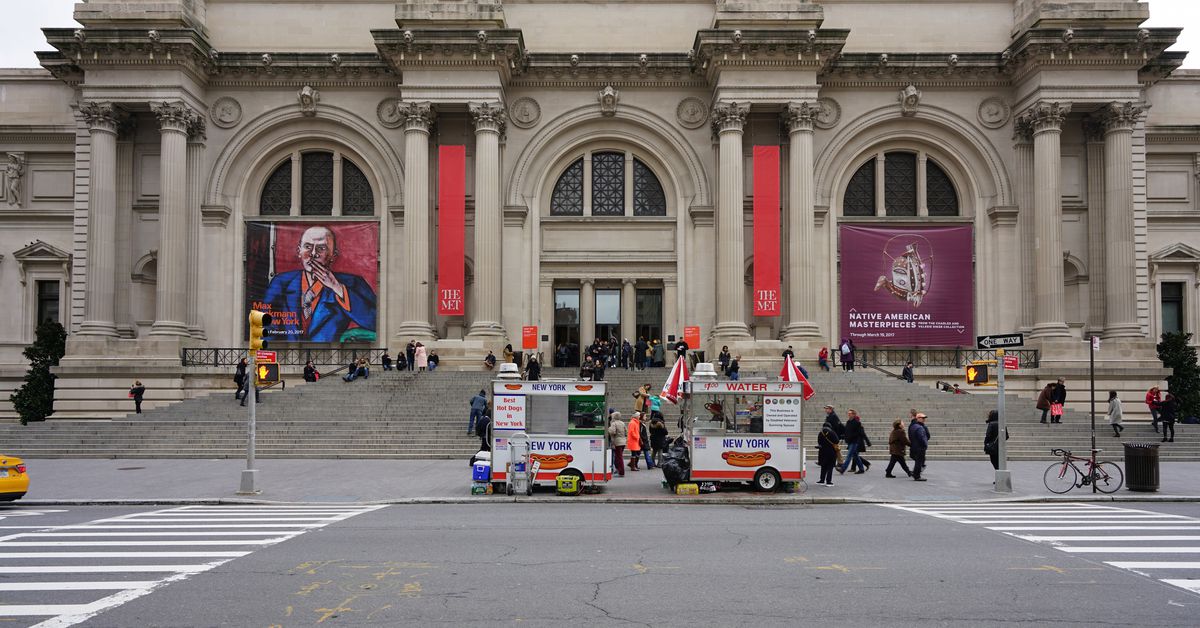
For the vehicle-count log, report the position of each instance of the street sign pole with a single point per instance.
(1003, 475)
(1095, 342)
(250, 474)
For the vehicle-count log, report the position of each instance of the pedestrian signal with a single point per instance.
(268, 373)
(977, 374)
(259, 321)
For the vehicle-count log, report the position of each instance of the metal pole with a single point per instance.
(250, 474)
(1003, 475)
(1092, 379)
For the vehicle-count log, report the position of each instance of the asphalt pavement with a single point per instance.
(158, 481)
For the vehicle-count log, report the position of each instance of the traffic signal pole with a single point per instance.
(249, 484)
(1003, 475)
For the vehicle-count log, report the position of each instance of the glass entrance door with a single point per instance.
(566, 327)
(649, 314)
(608, 315)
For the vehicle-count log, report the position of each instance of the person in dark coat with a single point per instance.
(907, 373)
(856, 440)
(724, 357)
(1166, 416)
(735, 368)
(1058, 395)
(1043, 400)
(239, 378)
(658, 439)
(640, 348)
(918, 443)
(991, 438)
(586, 371)
(401, 361)
(138, 391)
(897, 443)
(478, 404)
(833, 419)
(481, 428)
(410, 353)
(533, 369)
(310, 372)
(827, 453)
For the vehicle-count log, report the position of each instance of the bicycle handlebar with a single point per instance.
(1060, 452)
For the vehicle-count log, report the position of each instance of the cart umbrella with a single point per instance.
(791, 373)
(673, 389)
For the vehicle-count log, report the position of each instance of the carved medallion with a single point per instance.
(225, 112)
(829, 113)
(994, 112)
(389, 113)
(524, 112)
(691, 113)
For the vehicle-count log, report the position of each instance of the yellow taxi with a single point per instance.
(14, 478)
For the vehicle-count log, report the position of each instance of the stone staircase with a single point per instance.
(408, 416)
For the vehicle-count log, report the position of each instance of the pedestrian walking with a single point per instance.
(1043, 400)
(482, 426)
(991, 438)
(1166, 416)
(478, 404)
(533, 369)
(618, 437)
(136, 392)
(1058, 398)
(658, 439)
(644, 440)
(239, 378)
(847, 354)
(659, 352)
(834, 420)
(641, 353)
(856, 440)
(634, 440)
(897, 444)
(828, 452)
(1154, 402)
(1114, 413)
(907, 373)
(918, 444)
(724, 357)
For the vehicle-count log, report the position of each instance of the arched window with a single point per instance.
(317, 183)
(901, 174)
(606, 176)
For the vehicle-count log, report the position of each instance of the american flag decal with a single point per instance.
(793, 443)
(596, 444)
(701, 442)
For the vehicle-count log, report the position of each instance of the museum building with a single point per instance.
(470, 174)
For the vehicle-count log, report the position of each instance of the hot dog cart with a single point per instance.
(563, 424)
(744, 431)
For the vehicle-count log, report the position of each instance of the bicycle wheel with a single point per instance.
(1060, 477)
(1108, 477)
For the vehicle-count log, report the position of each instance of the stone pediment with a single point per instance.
(1177, 252)
(38, 253)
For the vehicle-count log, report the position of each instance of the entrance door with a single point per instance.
(649, 314)
(566, 327)
(608, 315)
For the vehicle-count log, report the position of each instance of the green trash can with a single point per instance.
(1141, 466)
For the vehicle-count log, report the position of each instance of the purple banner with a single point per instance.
(907, 286)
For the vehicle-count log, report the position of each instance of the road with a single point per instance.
(606, 565)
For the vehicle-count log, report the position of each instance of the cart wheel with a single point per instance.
(767, 480)
(508, 490)
(529, 489)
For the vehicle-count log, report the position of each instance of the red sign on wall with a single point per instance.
(529, 338)
(452, 169)
(691, 335)
(766, 231)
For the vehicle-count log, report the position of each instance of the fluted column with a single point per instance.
(1093, 133)
(670, 309)
(629, 309)
(175, 120)
(587, 313)
(1026, 219)
(1006, 265)
(418, 121)
(195, 195)
(489, 126)
(728, 121)
(802, 274)
(1121, 296)
(99, 312)
(1046, 119)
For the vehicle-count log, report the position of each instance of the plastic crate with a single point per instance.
(687, 489)
(567, 484)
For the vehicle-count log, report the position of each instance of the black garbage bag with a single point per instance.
(676, 463)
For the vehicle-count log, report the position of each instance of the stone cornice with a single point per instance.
(619, 69)
(714, 49)
(1143, 48)
(1173, 134)
(336, 68)
(81, 49)
(904, 68)
(37, 133)
(502, 49)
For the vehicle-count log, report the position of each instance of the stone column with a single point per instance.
(1046, 119)
(545, 320)
(175, 120)
(629, 309)
(1121, 296)
(670, 308)
(489, 126)
(1093, 133)
(1023, 150)
(1006, 264)
(195, 196)
(728, 120)
(99, 311)
(418, 280)
(802, 274)
(587, 313)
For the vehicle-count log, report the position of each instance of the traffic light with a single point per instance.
(977, 374)
(259, 321)
(267, 372)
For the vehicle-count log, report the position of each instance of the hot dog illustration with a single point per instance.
(551, 462)
(746, 458)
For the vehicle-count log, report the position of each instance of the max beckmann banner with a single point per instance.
(452, 172)
(766, 231)
(317, 280)
(907, 286)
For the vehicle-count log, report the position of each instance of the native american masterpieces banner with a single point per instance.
(319, 281)
(907, 286)
(766, 231)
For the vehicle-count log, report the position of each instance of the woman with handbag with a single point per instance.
(828, 453)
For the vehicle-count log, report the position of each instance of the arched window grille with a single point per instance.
(567, 199)
(900, 173)
(648, 196)
(860, 193)
(317, 183)
(605, 176)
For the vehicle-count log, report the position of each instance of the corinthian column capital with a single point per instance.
(175, 116)
(417, 116)
(488, 116)
(799, 116)
(729, 116)
(102, 116)
(1044, 116)
(1120, 116)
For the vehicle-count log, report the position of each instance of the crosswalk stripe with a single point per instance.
(137, 543)
(1155, 564)
(1070, 527)
(258, 520)
(1130, 550)
(191, 533)
(1191, 584)
(206, 527)
(116, 585)
(32, 569)
(9, 555)
(1066, 539)
(37, 610)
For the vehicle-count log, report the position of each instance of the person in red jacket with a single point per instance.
(1154, 402)
(634, 440)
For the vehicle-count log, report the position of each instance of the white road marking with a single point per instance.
(193, 533)
(30, 569)
(7, 555)
(159, 543)
(117, 585)
(1155, 565)
(36, 610)
(1129, 550)
(1190, 584)
(1195, 526)
(1068, 539)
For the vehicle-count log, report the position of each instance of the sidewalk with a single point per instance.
(171, 481)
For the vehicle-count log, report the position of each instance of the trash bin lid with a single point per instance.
(1141, 445)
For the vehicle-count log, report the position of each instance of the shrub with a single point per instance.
(1176, 353)
(34, 400)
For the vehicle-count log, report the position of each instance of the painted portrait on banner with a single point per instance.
(319, 281)
(907, 286)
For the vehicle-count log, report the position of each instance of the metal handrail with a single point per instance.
(921, 357)
(292, 356)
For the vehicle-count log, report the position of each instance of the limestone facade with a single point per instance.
(1068, 136)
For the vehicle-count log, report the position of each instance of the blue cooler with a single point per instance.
(482, 471)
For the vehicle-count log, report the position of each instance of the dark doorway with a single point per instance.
(649, 314)
(566, 327)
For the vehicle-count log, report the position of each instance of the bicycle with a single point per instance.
(1063, 476)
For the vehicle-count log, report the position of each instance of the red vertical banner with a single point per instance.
(766, 231)
(529, 337)
(452, 173)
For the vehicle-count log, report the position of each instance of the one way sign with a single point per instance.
(1000, 341)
